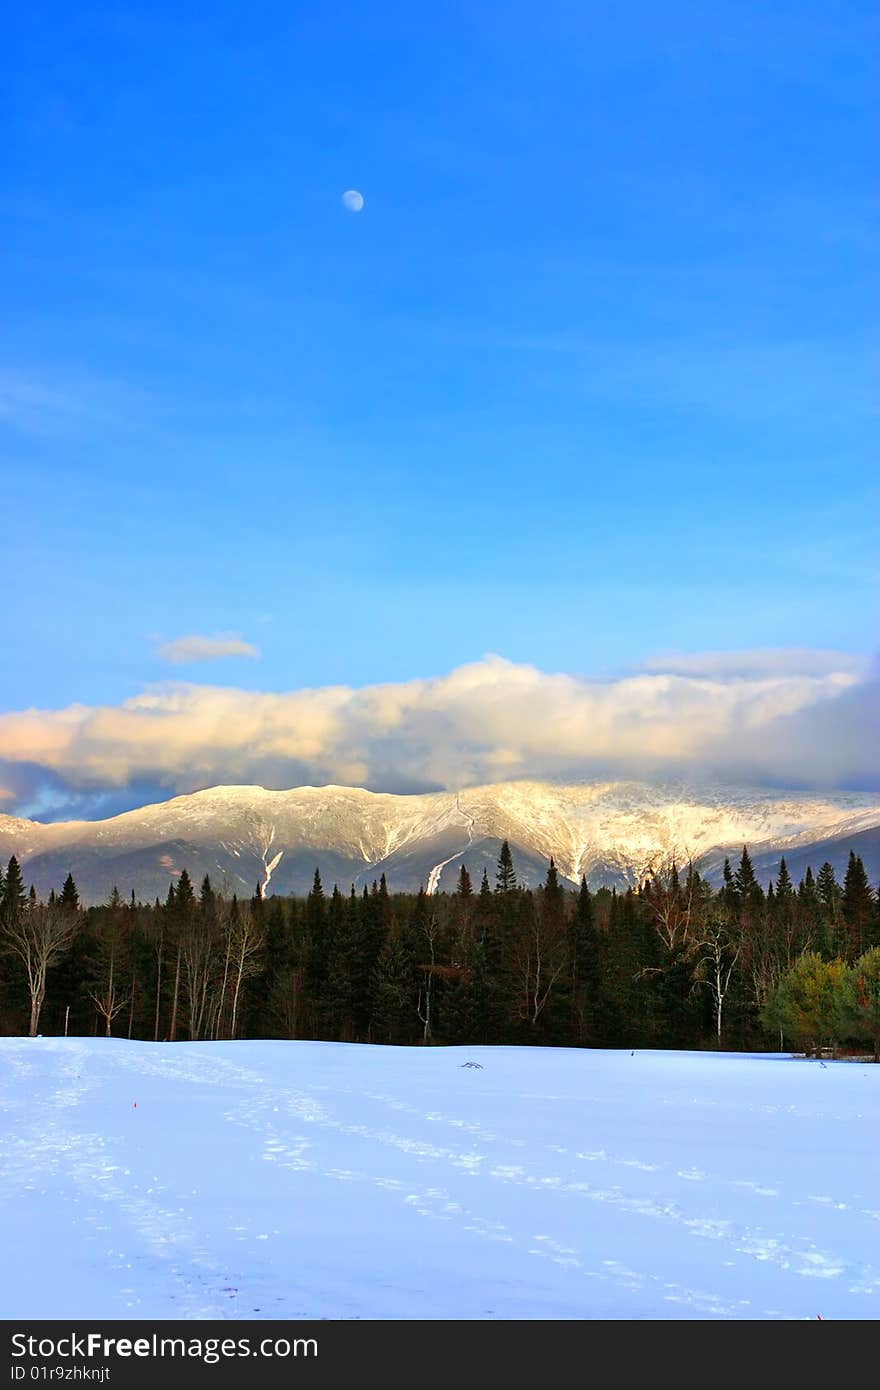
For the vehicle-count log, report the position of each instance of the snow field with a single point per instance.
(300, 1179)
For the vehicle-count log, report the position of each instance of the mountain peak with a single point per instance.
(614, 832)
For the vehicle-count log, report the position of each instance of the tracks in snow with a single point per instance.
(476, 1164)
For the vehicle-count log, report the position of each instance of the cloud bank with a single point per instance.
(805, 724)
(184, 651)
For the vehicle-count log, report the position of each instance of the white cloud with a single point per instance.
(487, 721)
(759, 662)
(183, 651)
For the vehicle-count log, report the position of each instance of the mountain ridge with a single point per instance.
(612, 832)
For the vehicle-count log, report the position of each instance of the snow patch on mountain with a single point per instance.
(434, 876)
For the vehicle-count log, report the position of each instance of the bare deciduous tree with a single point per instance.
(715, 956)
(247, 937)
(672, 903)
(199, 964)
(539, 958)
(38, 935)
(425, 1000)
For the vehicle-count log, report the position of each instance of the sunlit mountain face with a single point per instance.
(612, 833)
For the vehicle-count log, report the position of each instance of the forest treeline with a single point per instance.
(671, 963)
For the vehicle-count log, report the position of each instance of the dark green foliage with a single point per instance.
(505, 876)
(745, 885)
(585, 969)
(502, 965)
(69, 900)
(14, 895)
(184, 897)
(858, 909)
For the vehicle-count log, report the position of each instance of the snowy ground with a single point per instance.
(271, 1179)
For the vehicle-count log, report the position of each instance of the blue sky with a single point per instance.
(586, 380)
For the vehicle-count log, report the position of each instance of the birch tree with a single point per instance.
(246, 939)
(38, 935)
(715, 956)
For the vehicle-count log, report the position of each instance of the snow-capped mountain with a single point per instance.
(612, 832)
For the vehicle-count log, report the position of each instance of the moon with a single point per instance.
(353, 200)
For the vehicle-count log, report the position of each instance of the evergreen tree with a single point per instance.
(69, 900)
(784, 886)
(505, 877)
(810, 914)
(15, 899)
(174, 936)
(828, 893)
(271, 1005)
(624, 996)
(857, 906)
(489, 987)
(746, 885)
(334, 996)
(185, 898)
(207, 899)
(364, 941)
(395, 1014)
(317, 955)
(729, 885)
(828, 890)
(585, 968)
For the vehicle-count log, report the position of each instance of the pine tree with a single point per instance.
(316, 950)
(809, 911)
(625, 995)
(784, 886)
(487, 1002)
(185, 898)
(505, 877)
(334, 996)
(257, 906)
(828, 893)
(464, 888)
(69, 900)
(729, 888)
(857, 906)
(174, 936)
(14, 896)
(395, 1011)
(585, 968)
(746, 885)
(828, 889)
(207, 899)
(363, 945)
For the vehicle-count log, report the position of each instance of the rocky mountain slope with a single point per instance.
(613, 832)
